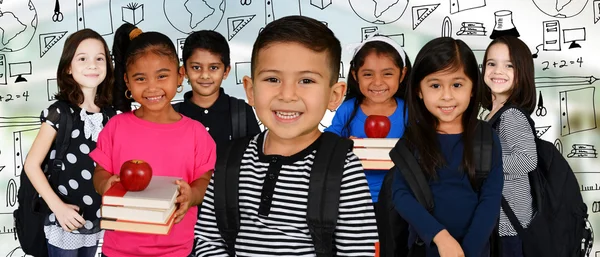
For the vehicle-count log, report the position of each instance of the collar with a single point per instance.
(222, 103)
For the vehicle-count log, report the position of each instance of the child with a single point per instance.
(375, 87)
(84, 78)
(509, 76)
(443, 101)
(206, 65)
(295, 62)
(172, 144)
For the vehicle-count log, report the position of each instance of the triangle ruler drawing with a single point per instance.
(235, 24)
(420, 13)
(48, 40)
(539, 131)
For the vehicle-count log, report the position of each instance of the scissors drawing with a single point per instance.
(541, 110)
(58, 16)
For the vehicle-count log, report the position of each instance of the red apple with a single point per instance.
(135, 175)
(377, 126)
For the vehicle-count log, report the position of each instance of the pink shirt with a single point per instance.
(183, 149)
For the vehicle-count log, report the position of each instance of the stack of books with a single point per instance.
(148, 211)
(374, 153)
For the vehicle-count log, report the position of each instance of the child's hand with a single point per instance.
(353, 137)
(447, 245)
(184, 199)
(68, 217)
(109, 183)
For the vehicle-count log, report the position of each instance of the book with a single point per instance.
(137, 214)
(160, 194)
(376, 165)
(375, 142)
(138, 227)
(372, 153)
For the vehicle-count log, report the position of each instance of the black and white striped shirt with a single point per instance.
(283, 231)
(519, 157)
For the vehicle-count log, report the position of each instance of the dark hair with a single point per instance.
(522, 93)
(441, 54)
(306, 31)
(68, 89)
(127, 50)
(353, 89)
(209, 40)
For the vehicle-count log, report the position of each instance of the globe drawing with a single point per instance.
(193, 15)
(561, 8)
(379, 11)
(18, 22)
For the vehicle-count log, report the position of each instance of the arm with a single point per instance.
(487, 211)
(208, 239)
(516, 137)
(104, 177)
(252, 122)
(342, 114)
(103, 180)
(356, 207)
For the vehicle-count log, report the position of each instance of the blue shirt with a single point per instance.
(357, 129)
(468, 217)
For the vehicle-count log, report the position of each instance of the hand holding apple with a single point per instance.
(377, 126)
(135, 175)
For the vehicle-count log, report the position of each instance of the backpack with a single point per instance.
(559, 226)
(393, 229)
(31, 212)
(323, 195)
(237, 107)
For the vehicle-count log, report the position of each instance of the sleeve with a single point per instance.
(208, 241)
(205, 152)
(488, 208)
(342, 114)
(412, 211)
(519, 155)
(102, 154)
(356, 231)
(51, 115)
(251, 122)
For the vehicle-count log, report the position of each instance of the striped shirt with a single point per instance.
(519, 157)
(282, 230)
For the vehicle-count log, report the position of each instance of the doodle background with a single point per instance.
(32, 36)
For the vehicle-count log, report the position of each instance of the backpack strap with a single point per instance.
(324, 191)
(237, 107)
(411, 170)
(62, 141)
(226, 178)
(483, 153)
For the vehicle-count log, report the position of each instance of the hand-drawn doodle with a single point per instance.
(2, 166)
(471, 29)
(596, 9)
(48, 40)
(583, 151)
(241, 69)
(275, 11)
(551, 35)
(579, 114)
(18, 23)
(504, 25)
(51, 88)
(321, 4)
(180, 44)
(420, 13)
(20, 151)
(341, 74)
(58, 15)
(447, 27)
(379, 11)
(574, 35)
(539, 131)
(187, 16)
(463, 5)
(245, 2)
(18, 69)
(17, 252)
(595, 209)
(589, 244)
(132, 13)
(541, 82)
(559, 145)
(560, 9)
(541, 109)
(26, 121)
(235, 24)
(13, 97)
(594, 187)
(3, 81)
(96, 16)
(562, 63)
(11, 193)
(367, 32)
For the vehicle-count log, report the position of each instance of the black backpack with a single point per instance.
(559, 226)
(323, 195)
(392, 228)
(237, 107)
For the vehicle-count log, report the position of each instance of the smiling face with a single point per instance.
(446, 95)
(378, 78)
(88, 66)
(205, 72)
(153, 80)
(499, 72)
(291, 89)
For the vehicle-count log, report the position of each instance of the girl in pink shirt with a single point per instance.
(147, 70)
